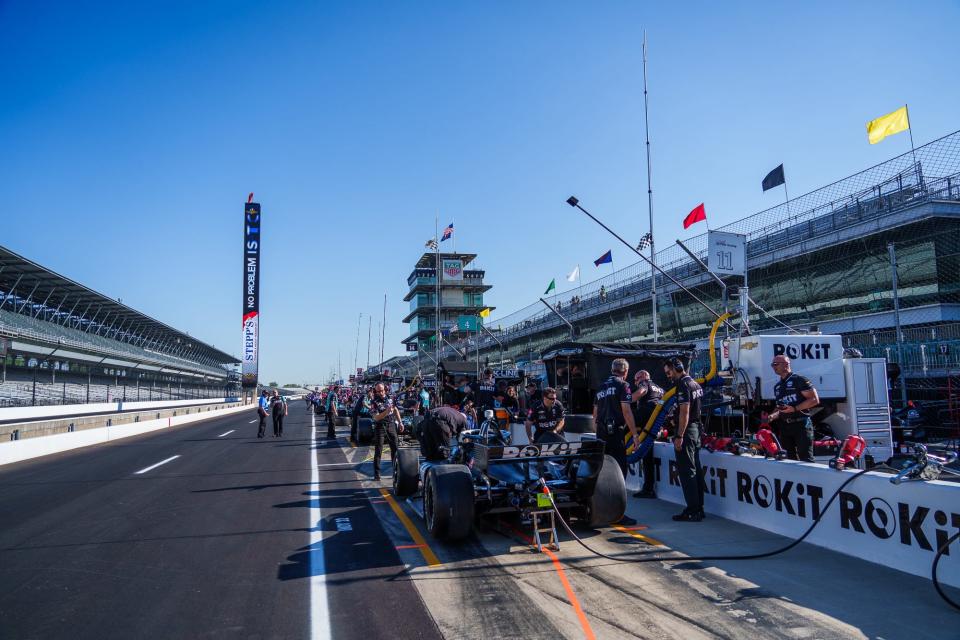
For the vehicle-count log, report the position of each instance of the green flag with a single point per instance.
(552, 287)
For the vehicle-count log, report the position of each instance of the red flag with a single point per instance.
(699, 213)
(250, 198)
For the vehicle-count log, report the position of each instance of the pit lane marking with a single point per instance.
(638, 536)
(571, 596)
(154, 466)
(227, 433)
(428, 555)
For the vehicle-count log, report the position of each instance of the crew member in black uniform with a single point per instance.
(386, 417)
(795, 397)
(486, 392)
(645, 396)
(611, 412)
(686, 441)
(440, 428)
(545, 417)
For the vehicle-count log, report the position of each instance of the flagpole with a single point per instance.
(786, 196)
(579, 283)
(653, 252)
(436, 274)
(913, 150)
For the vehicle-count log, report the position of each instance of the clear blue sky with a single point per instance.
(132, 132)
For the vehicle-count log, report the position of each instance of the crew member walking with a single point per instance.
(385, 416)
(333, 410)
(278, 409)
(545, 417)
(611, 412)
(263, 408)
(645, 398)
(795, 397)
(686, 441)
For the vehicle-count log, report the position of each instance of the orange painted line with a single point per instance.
(410, 546)
(638, 536)
(571, 596)
(425, 550)
(636, 527)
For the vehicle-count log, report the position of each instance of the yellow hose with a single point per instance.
(628, 438)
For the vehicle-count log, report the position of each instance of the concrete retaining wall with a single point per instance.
(26, 449)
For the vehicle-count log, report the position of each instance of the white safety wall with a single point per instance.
(900, 526)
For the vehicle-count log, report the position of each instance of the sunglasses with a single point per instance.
(550, 397)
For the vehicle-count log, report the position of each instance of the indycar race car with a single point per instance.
(484, 474)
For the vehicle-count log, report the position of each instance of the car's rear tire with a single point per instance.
(364, 430)
(448, 501)
(609, 500)
(407, 472)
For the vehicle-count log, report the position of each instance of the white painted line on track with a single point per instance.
(319, 606)
(227, 433)
(252, 421)
(154, 466)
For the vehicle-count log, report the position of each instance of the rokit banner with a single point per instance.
(899, 526)
(251, 293)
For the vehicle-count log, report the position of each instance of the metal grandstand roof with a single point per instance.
(29, 283)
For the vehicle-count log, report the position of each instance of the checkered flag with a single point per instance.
(431, 244)
(645, 241)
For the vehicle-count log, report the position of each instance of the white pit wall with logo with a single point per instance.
(899, 526)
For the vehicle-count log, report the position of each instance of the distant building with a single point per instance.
(461, 299)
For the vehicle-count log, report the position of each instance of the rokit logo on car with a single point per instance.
(806, 351)
(534, 451)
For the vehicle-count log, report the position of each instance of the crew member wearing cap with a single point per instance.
(686, 441)
(795, 397)
(645, 397)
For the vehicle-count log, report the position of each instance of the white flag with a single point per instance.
(574, 274)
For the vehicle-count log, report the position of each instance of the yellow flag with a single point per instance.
(485, 312)
(888, 125)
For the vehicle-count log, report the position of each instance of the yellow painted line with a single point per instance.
(418, 539)
(638, 536)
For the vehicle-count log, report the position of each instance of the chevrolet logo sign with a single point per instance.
(749, 345)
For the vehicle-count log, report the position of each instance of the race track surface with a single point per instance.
(238, 537)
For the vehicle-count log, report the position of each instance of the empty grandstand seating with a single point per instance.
(41, 329)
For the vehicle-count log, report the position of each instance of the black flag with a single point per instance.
(774, 179)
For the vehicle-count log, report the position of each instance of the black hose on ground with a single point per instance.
(753, 556)
(933, 571)
(767, 554)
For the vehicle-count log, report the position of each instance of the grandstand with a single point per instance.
(819, 261)
(63, 343)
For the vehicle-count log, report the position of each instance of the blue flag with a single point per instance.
(606, 258)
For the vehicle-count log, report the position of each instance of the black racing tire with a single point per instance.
(448, 506)
(406, 474)
(364, 430)
(608, 503)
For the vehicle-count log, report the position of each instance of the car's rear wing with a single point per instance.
(486, 455)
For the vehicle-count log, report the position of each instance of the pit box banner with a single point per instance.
(899, 526)
(251, 294)
(727, 253)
